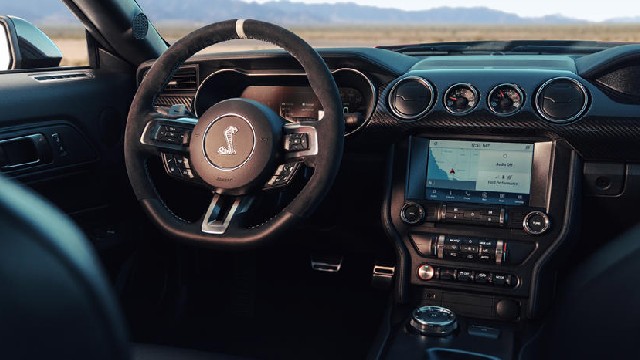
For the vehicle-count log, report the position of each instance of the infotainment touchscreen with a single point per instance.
(479, 172)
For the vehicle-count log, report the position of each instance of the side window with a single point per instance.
(48, 26)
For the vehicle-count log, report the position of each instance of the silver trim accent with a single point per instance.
(473, 89)
(503, 216)
(516, 87)
(562, 121)
(374, 97)
(499, 252)
(427, 324)
(204, 138)
(426, 272)
(426, 83)
(215, 227)
(311, 131)
(59, 76)
(528, 230)
(325, 266)
(440, 247)
(240, 29)
(34, 138)
(420, 210)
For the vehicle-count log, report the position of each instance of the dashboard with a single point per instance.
(487, 155)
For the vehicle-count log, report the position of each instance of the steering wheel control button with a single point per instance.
(296, 142)
(283, 175)
(411, 97)
(172, 135)
(412, 213)
(177, 165)
(433, 321)
(426, 272)
(536, 223)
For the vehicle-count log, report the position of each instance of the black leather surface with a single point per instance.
(157, 352)
(599, 317)
(55, 300)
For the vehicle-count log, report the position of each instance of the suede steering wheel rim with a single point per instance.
(254, 129)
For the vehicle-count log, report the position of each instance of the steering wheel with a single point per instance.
(238, 147)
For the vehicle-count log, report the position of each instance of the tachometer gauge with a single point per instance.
(506, 99)
(461, 99)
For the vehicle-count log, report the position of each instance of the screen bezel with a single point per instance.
(540, 169)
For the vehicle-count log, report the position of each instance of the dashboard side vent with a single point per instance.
(184, 79)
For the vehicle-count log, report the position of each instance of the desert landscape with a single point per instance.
(71, 41)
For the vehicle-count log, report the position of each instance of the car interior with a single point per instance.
(459, 200)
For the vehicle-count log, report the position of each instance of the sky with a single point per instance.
(592, 10)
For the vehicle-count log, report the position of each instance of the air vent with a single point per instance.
(185, 79)
(562, 100)
(62, 76)
(411, 98)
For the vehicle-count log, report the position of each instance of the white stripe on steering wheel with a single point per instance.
(240, 29)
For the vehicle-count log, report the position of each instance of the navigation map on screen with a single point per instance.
(479, 172)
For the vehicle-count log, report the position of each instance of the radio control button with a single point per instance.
(536, 223)
(473, 249)
(482, 277)
(470, 257)
(487, 257)
(447, 274)
(412, 213)
(451, 255)
(503, 280)
(464, 275)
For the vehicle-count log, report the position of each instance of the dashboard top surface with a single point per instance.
(607, 129)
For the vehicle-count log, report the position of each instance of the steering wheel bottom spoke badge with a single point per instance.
(222, 211)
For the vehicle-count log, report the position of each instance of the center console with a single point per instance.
(480, 225)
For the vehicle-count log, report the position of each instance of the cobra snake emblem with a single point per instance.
(228, 136)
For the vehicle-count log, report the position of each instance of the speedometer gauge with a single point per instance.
(506, 99)
(461, 99)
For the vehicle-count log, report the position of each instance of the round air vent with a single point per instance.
(411, 97)
(562, 100)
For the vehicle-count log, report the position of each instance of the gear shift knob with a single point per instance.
(433, 321)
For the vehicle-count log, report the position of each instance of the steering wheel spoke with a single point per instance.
(226, 212)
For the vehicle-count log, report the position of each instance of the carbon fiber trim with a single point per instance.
(169, 100)
(595, 138)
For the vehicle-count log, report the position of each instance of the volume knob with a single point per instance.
(412, 213)
(536, 223)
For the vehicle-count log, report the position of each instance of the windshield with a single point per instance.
(383, 23)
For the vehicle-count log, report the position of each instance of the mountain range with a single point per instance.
(289, 13)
